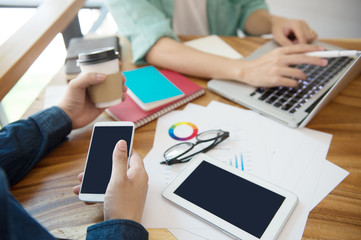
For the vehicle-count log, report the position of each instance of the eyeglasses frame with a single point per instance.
(217, 140)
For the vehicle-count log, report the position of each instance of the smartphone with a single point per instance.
(99, 161)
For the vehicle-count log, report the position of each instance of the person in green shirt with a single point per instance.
(152, 27)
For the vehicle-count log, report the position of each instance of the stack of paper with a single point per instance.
(294, 159)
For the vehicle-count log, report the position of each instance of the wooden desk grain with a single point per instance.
(46, 192)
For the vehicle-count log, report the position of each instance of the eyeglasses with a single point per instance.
(181, 152)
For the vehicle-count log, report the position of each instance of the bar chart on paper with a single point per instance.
(235, 152)
(241, 161)
(237, 161)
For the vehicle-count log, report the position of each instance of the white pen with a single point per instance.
(334, 53)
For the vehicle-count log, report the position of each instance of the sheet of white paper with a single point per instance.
(192, 107)
(214, 45)
(209, 233)
(331, 176)
(181, 233)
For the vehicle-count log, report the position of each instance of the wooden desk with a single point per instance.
(46, 192)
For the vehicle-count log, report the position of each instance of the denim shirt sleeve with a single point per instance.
(142, 23)
(24, 142)
(117, 229)
(15, 222)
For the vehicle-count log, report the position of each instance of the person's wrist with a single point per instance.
(66, 111)
(273, 20)
(239, 71)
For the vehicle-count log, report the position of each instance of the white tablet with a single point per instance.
(238, 203)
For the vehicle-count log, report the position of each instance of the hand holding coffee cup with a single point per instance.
(104, 60)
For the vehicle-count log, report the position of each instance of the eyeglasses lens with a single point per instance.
(177, 150)
(209, 135)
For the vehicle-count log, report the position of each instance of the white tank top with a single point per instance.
(190, 17)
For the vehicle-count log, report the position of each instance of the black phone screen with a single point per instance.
(99, 163)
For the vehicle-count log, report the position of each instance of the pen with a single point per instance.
(332, 54)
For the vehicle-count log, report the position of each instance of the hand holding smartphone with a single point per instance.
(98, 167)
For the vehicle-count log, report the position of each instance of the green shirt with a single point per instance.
(143, 22)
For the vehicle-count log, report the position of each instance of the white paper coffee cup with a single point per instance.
(104, 60)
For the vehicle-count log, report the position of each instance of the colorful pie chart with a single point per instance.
(173, 135)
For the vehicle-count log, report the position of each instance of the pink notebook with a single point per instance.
(130, 111)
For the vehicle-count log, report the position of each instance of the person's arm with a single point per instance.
(171, 54)
(270, 70)
(24, 142)
(15, 222)
(285, 31)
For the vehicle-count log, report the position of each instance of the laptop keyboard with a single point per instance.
(291, 99)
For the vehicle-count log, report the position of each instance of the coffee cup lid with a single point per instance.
(97, 56)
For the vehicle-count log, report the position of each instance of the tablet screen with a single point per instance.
(238, 201)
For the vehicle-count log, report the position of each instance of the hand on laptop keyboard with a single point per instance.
(275, 68)
(291, 99)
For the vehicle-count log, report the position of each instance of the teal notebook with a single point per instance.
(149, 88)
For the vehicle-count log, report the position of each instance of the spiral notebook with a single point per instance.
(130, 111)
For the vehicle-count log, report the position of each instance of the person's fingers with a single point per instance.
(300, 33)
(80, 176)
(293, 73)
(282, 37)
(85, 80)
(300, 48)
(76, 189)
(119, 169)
(136, 162)
(300, 37)
(285, 81)
(124, 86)
(303, 59)
(311, 35)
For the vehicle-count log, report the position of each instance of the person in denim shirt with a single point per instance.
(152, 27)
(25, 142)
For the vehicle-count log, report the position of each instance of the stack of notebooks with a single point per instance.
(152, 93)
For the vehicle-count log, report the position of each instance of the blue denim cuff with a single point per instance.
(54, 124)
(117, 229)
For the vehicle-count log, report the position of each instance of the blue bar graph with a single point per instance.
(236, 162)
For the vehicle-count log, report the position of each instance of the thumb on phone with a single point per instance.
(120, 159)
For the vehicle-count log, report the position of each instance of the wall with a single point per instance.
(329, 18)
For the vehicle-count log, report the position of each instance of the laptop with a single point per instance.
(294, 107)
